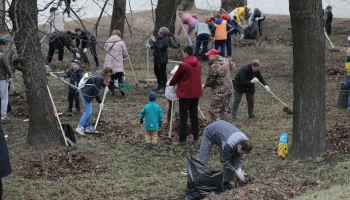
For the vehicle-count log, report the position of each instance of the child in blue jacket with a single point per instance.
(153, 120)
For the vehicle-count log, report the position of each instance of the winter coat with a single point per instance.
(6, 64)
(57, 22)
(253, 17)
(238, 12)
(170, 90)
(92, 88)
(347, 65)
(74, 77)
(188, 78)
(243, 84)
(160, 49)
(5, 164)
(190, 19)
(227, 137)
(153, 115)
(221, 29)
(115, 53)
(202, 28)
(329, 19)
(60, 40)
(219, 77)
(86, 37)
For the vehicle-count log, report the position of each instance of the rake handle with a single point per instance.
(275, 96)
(99, 112)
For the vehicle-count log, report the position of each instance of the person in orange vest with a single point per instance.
(221, 29)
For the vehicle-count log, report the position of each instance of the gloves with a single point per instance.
(267, 88)
(257, 19)
(62, 79)
(101, 105)
(77, 55)
(203, 86)
(141, 121)
(85, 50)
(239, 23)
(106, 89)
(153, 38)
(148, 46)
(240, 174)
(255, 80)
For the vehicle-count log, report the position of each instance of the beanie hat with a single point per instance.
(77, 62)
(329, 8)
(152, 96)
(164, 31)
(3, 40)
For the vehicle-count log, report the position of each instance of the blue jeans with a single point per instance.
(221, 44)
(202, 38)
(347, 81)
(260, 25)
(87, 115)
(189, 31)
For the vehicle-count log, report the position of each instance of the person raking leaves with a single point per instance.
(232, 143)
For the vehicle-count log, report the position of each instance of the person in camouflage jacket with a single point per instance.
(220, 81)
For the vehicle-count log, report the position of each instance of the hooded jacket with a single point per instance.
(86, 37)
(188, 78)
(57, 22)
(243, 79)
(347, 65)
(160, 49)
(221, 29)
(153, 115)
(92, 88)
(5, 164)
(60, 40)
(6, 64)
(116, 52)
(74, 77)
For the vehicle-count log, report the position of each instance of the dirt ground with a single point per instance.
(116, 165)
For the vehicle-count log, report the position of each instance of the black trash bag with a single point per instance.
(69, 133)
(251, 32)
(201, 180)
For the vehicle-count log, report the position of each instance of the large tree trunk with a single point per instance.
(2, 16)
(230, 5)
(309, 121)
(43, 127)
(165, 16)
(118, 16)
(185, 5)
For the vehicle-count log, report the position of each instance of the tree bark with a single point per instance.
(118, 16)
(309, 121)
(165, 16)
(185, 5)
(2, 16)
(230, 5)
(43, 127)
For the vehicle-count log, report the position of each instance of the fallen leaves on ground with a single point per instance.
(338, 138)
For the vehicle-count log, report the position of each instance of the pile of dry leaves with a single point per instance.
(19, 105)
(338, 138)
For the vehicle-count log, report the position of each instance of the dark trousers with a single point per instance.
(1, 188)
(202, 38)
(229, 45)
(169, 110)
(160, 72)
(260, 26)
(52, 52)
(237, 97)
(188, 105)
(235, 25)
(92, 47)
(118, 76)
(73, 96)
(221, 44)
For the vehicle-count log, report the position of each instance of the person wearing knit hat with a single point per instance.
(153, 115)
(6, 75)
(160, 54)
(328, 17)
(74, 75)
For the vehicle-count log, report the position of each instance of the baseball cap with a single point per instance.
(212, 51)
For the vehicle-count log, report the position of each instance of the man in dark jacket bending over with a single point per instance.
(244, 83)
(59, 40)
(232, 143)
(87, 41)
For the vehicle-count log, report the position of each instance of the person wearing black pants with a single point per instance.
(59, 40)
(160, 54)
(118, 76)
(5, 164)
(188, 106)
(88, 41)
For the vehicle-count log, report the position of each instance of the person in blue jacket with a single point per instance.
(5, 164)
(153, 115)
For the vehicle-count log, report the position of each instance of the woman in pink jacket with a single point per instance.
(115, 54)
(191, 21)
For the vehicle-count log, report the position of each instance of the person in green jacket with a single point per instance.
(153, 115)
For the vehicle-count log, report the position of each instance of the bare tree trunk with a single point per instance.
(118, 16)
(165, 16)
(43, 127)
(185, 5)
(309, 121)
(230, 5)
(2, 16)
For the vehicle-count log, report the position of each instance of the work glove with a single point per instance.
(77, 55)
(85, 50)
(240, 174)
(267, 88)
(62, 79)
(141, 121)
(257, 19)
(255, 80)
(153, 38)
(101, 105)
(148, 46)
(203, 86)
(106, 89)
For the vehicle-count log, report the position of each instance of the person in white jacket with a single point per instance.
(56, 20)
(257, 15)
(170, 93)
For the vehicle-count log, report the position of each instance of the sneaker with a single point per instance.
(233, 118)
(179, 143)
(252, 117)
(227, 186)
(92, 131)
(122, 93)
(80, 130)
(162, 90)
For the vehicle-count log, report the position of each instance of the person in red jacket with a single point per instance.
(189, 89)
